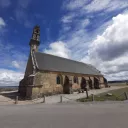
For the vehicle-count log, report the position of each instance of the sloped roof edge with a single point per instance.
(54, 63)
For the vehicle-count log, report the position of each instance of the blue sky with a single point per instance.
(90, 31)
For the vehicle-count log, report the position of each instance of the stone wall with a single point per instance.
(102, 84)
(45, 83)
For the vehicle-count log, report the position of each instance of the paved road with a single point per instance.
(99, 115)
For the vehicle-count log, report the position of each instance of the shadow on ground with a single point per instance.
(11, 95)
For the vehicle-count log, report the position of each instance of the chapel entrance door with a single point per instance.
(90, 83)
(96, 83)
(83, 83)
(67, 88)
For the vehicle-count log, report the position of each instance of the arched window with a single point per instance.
(59, 79)
(75, 80)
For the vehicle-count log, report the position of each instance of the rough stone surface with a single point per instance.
(45, 83)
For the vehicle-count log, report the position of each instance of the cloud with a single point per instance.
(12, 65)
(118, 76)
(97, 5)
(59, 49)
(94, 36)
(92, 9)
(15, 64)
(9, 77)
(5, 3)
(108, 52)
(2, 22)
(74, 4)
(11, 58)
(94, 5)
(76, 37)
(68, 18)
(79, 27)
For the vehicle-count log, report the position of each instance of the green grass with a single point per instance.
(8, 89)
(117, 95)
(118, 84)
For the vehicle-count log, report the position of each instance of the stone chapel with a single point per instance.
(48, 74)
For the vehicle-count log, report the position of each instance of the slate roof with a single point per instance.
(54, 63)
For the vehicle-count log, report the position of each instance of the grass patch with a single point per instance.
(117, 95)
(8, 89)
(118, 84)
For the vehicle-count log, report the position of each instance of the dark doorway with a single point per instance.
(96, 83)
(67, 86)
(83, 83)
(90, 83)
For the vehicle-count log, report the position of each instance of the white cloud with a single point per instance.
(19, 64)
(81, 25)
(76, 38)
(59, 49)
(68, 18)
(105, 5)
(95, 5)
(9, 77)
(11, 58)
(15, 64)
(2, 22)
(74, 4)
(108, 52)
(78, 27)
(116, 5)
(118, 76)
(5, 3)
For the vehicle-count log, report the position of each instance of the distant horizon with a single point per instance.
(108, 82)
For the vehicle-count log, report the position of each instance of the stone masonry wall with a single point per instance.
(45, 82)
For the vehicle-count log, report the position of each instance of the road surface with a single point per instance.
(66, 115)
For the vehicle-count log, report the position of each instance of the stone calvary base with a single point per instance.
(49, 74)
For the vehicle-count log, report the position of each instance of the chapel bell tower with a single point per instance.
(35, 40)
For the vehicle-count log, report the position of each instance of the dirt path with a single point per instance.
(74, 96)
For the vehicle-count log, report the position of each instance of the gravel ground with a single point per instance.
(74, 96)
